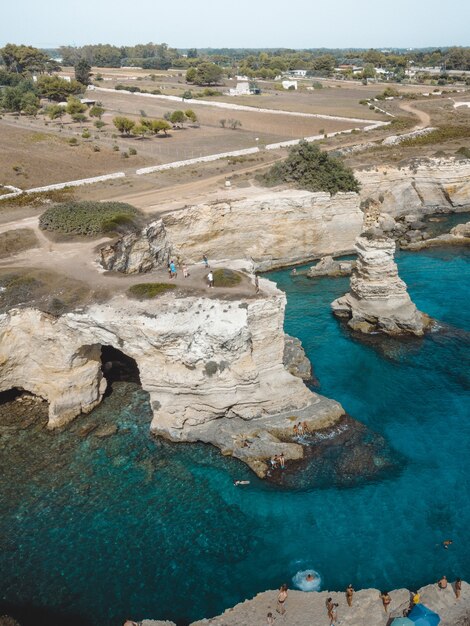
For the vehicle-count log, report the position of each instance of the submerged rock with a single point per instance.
(327, 266)
(378, 300)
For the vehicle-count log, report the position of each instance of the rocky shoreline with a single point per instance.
(305, 609)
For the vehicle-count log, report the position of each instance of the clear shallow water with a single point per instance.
(104, 529)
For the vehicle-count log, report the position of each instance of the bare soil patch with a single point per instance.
(40, 155)
(14, 241)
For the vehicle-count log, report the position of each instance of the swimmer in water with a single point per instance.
(309, 578)
(241, 482)
(447, 543)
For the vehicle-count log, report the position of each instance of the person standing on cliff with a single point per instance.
(349, 594)
(282, 461)
(386, 600)
(173, 270)
(331, 610)
(206, 260)
(281, 599)
(210, 279)
(256, 284)
(458, 588)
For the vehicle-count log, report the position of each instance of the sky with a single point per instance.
(238, 23)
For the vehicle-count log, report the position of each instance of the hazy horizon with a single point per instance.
(264, 24)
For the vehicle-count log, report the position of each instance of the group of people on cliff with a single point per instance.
(331, 607)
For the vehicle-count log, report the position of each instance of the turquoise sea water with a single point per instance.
(99, 530)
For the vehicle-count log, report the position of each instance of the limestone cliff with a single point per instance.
(378, 299)
(424, 187)
(200, 359)
(272, 229)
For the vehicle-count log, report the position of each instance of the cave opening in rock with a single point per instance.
(118, 367)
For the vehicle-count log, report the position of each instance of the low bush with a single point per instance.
(146, 291)
(463, 152)
(90, 218)
(307, 167)
(226, 278)
(439, 135)
(73, 141)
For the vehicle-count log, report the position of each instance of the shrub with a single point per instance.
(96, 149)
(464, 152)
(86, 135)
(116, 148)
(307, 167)
(146, 291)
(73, 141)
(132, 151)
(439, 135)
(90, 218)
(226, 278)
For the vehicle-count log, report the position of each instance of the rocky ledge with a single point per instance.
(305, 609)
(378, 300)
(458, 236)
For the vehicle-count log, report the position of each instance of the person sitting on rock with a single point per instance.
(274, 461)
(442, 584)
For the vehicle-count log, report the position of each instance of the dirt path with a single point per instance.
(194, 192)
(424, 118)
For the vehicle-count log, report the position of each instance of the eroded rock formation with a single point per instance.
(378, 299)
(422, 188)
(273, 229)
(213, 368)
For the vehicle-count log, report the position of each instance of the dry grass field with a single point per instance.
(36, 156)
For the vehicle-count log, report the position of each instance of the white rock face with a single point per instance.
(434, 184)
(378, 299)
(271, 228)
(199, 358)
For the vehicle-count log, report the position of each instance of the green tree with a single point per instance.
(11, 99)
(99, 124)
(56, 88)
(97, 111)
(191, 74)
(158, 125)
(141, 130)
(204, 74)
(55, 111)
(74, 106)
(177, 118)
(192, 117)
(307, 167)
(124, 124)
(192, 53)
(83, 72)
(26, 59)
(30, 103)
(79, 118)
(368, 71)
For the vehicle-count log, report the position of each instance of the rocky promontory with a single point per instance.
(213, 367)
(378, 300)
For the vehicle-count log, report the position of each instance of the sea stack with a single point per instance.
(378, 300)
